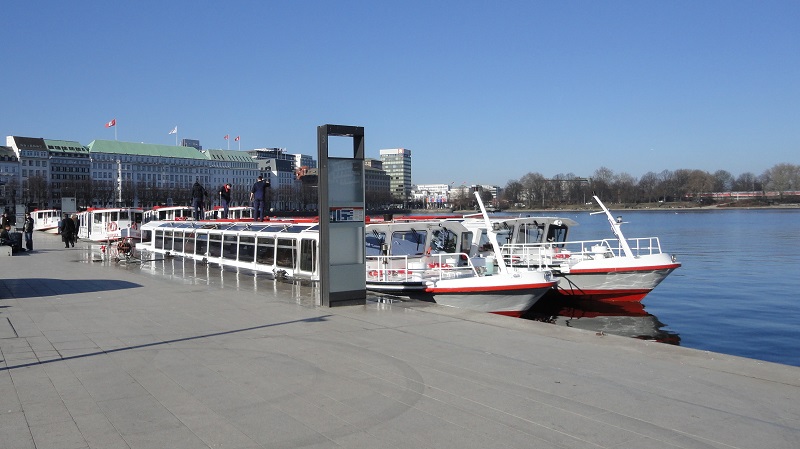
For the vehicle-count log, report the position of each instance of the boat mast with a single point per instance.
(492, 235)
(616, 227)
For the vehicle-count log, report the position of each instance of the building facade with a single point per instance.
(397, 164)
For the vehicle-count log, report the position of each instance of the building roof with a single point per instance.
(144, 149)
(229, 155)
(65, 146)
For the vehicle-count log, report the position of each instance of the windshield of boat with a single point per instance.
(529, 233)
(374, 241)
(408, 243)
(557, 233)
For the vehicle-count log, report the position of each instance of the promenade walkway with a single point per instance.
(172, 355)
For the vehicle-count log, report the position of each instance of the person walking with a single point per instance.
(67, 231)
(198, 197)
(258, 197)
(27, 231)
(225, 199)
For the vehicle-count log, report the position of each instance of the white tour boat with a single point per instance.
(617, 269)
(441, 261)
(46, 220)
(103, 225)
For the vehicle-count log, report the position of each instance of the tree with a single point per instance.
(602, 180)
(647, 186)
(782, 177)
(533, 188)
(723, 181)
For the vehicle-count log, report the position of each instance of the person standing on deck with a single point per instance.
(225, 199)
(67, 231)
(198, 197)
(258, 197)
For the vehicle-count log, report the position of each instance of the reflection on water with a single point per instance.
(195, 273)
(628, 319)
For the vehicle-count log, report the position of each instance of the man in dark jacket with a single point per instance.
(198, 197)
(27, 231)
(258, 197)
(225, 199)
(68, 231)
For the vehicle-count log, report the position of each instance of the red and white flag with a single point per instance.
(113, 122)
(236, 139)
(226, 137)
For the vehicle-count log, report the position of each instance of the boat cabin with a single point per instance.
(103, 225)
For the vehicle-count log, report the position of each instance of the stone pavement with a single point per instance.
(169, 354)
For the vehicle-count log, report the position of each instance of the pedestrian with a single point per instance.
(198, 198)
(258, 197)
(5, 221)
(67, 229)
(225, 199)
(74, 234)
(27, 231)
(5, 235)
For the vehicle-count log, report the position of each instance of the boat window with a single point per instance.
(408, 243)
(557, 233)
(265, 253)
(443, 241)
(229, 247)
(98, 218)
(159, 241)
(201, 244)
(247, 248)
(484, 244)
(284, 256)
(137, 217)
(214, 245)
(308, 255)
(177, 243)
(123, 215)
(530, 233)
(466, 242)
(168, 240)
(374, 240)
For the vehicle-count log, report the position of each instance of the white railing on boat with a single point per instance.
(431, 267)
(543, 254)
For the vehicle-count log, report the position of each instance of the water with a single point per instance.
(738, 291)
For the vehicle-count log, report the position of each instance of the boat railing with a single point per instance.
(429, 267)
(542, 254)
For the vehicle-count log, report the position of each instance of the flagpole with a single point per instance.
(115, 129)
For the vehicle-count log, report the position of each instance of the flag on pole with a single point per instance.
(174, 130)
(236, 139)
(226, 137)
(113, 122)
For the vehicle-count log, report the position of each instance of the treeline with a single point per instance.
(534, 190)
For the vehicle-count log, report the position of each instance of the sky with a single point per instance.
(480, 92)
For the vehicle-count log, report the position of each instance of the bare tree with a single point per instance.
(782, 177)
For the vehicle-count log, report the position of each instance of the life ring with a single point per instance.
(134, 226)
(373, 273)
(111, 226)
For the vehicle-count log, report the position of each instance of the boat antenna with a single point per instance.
(616, 227)
(492, 235)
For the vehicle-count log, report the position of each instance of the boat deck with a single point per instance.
(170, 353)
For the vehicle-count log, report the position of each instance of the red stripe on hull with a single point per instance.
(493, 289)
(509, 313)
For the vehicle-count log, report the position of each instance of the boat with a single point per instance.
(46, 220)
(111, 224)
(280, 249)
(615, 269)
(439, 261)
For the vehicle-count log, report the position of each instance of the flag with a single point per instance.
(226, 137)
(236, 139)
(174, 130)
(113, 122)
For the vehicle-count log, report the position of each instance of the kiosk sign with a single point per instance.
(347, 214)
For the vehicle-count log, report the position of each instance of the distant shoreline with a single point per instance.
(616, 207)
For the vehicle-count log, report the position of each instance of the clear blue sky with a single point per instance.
(479, 91)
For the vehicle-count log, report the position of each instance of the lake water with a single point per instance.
(738, 291)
